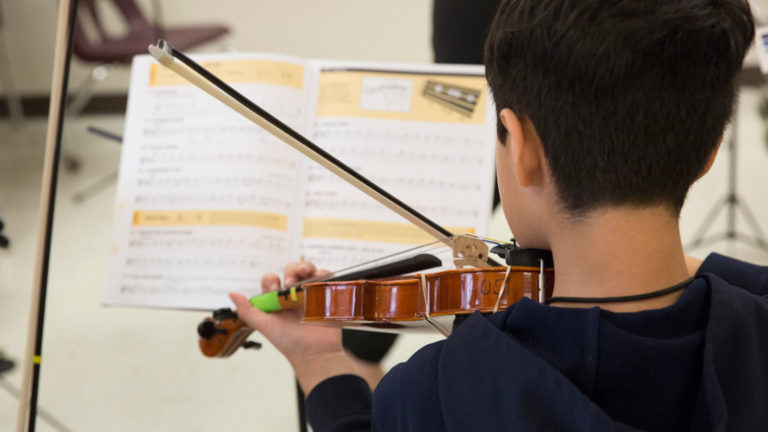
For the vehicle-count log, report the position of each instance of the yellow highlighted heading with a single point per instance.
(372, 231)
(237, 71)
(210, 217)
(402, 96)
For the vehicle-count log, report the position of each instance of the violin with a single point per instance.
(223, 333)
(394, 304)
(388, 304)
(365, 302)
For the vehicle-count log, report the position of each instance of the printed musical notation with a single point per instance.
(318, 174)
(334, 130)
(207, 202)
(229, 243)
(443, 172)
(227, 128)
(212, 291)
(338, 255)
(215, 158)
(409, 155)
(214, 200)
(204, 196)
(225, 182)
(341, 205)
(196, 263)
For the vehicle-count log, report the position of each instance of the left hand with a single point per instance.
(314, 351)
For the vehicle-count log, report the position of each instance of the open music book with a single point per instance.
(207, 202)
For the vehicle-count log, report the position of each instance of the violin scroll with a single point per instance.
(223, 333)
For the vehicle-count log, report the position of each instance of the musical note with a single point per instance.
(207, 202)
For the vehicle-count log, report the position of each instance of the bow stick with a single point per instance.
(167, 55)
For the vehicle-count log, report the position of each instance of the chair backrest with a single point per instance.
(88, 14)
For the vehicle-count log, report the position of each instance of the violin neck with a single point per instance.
(293, 297)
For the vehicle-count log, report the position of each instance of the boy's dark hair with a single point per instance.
(629, 97)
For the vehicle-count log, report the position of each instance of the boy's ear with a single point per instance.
(711, 160)
(523, 147)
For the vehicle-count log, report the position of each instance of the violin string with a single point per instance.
(492, 240)
(440, 244)
(427, 248)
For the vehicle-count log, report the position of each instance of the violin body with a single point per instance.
(453, 292)
(419, 301)
(393, 304)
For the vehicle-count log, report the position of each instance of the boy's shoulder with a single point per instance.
(736, 356)
(407, 392)
(469, 382)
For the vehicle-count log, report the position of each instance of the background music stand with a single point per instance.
(13, 98)
(730, 204)
(107, 51)
(106, 181)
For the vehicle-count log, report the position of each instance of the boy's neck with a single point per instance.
(619, 252)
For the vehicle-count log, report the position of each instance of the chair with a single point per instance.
(15, 110)
(140, 34)
(4, 244)
(98, 46)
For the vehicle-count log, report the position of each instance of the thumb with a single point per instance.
(240, 300)
(246, 312)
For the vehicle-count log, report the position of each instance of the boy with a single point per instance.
(608, 111)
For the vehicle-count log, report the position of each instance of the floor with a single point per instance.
(138, 369)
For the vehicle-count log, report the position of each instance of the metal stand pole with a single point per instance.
(300, 405)
(731, 203)
(100, 184)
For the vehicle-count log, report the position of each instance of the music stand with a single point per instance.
(731, 203)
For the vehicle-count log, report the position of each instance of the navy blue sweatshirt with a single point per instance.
(700, 364)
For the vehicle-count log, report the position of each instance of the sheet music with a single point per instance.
(205, 197)
(207, 202)
(423, 133)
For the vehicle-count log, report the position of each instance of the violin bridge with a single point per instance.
(469, 251)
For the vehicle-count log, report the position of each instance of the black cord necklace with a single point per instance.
(662, 292)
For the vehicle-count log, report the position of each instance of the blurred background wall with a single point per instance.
(392, 30)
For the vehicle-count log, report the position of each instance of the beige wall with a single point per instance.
(386, 30)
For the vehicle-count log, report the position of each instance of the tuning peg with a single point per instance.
(207, 330)
(251, 345)
(224, 314)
